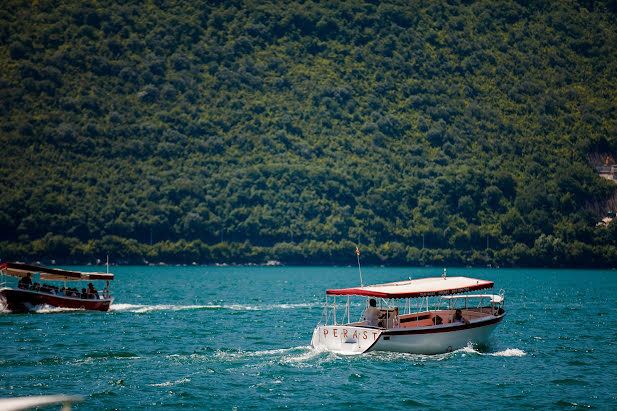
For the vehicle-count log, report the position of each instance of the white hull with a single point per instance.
(345, 339)
(356, 339)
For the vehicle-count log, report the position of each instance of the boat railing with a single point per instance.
(425, 313)
(104, 295)
(331, 312)
(493, 302)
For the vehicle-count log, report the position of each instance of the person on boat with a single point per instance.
(25, 282)
(371, 314)
(84, 294)
(92, 293)
(458, 317)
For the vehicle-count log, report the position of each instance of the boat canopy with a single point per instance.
(496, 299)
(423, 287)
(51, 274)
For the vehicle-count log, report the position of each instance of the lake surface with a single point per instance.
(238, 338)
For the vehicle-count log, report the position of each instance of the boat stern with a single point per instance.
(345, 339)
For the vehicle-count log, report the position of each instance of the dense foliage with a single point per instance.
(245, 131)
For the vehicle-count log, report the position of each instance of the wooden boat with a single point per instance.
(28, 295)
(430, 329)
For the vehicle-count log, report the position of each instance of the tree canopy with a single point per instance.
(247, 131)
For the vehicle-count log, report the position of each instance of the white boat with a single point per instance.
(408, 320)
(27, 403)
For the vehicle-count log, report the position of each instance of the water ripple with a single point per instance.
(238, 337)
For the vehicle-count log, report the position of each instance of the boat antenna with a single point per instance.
(359, 269)
(107, 264)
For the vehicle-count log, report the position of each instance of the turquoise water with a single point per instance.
(238, 337)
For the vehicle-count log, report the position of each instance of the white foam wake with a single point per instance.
(46, 309)
(42, 309)
(142, 308)
(509, 352)
(269, 307)
(3, 309)
(295, 356)
(169, 383)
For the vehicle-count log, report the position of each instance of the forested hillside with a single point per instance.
(438, 132)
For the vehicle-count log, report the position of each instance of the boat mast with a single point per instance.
(359, 269)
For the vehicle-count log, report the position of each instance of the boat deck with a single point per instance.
(426, 319)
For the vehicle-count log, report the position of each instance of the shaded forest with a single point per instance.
(447, 133)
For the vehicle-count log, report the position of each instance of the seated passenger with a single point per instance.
(458, 317)
(25, 282)
(84, 294)
(437, 320)
(371, 314)
(92, 293)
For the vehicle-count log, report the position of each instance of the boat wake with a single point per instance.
(142, 308)
(295, 356)
(509, 352)
(470, 350)
(42, 309)
(170, 383)
(307, 355)
(48, 309)
(394, 356)
(268, 307)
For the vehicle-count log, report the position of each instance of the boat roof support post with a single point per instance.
(326, 309)
(418, 309)
(334, 304)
